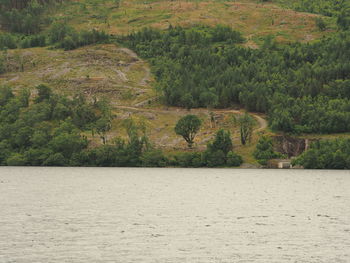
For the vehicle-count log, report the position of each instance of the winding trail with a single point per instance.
(129, 52)
(138, 107)
(262, 123)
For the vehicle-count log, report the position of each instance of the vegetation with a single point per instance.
(47, 131)
(24, 21)
(60, 35)
(64, 36)
(246, 124)
(326, 154)
(220, 151)
(264, 150)
(188, 127)
(302, 87)
(26, 17)
(340, 9)
(44, 132)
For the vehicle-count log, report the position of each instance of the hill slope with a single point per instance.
(252, 18)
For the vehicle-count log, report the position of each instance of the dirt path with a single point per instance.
(262, 123)
(129, 52)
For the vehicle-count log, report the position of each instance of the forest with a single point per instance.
(326, 154)
(27, 17)
(302, 87)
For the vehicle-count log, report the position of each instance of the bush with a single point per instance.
(214, 158)
(58, 31)
(222, 142)
(233, 159)
(7, 41)
(56, 159)
(264, 150)
(321, 24)
(154, 158)
(68, 43)
(219, 151)
(33, 41)
(188, 159)
(2, 64)
(16, 159)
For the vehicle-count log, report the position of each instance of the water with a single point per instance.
(173, 215)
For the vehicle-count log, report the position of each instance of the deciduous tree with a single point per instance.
(187, 127)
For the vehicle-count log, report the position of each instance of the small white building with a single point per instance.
(284, 164)
(279, 163)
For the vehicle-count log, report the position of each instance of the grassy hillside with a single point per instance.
(253, 19)
(100, 70)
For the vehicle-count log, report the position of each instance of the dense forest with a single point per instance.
(302, 87)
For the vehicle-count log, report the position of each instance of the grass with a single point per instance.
(254, 19)
(100, 70)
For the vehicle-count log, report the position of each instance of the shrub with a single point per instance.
(187, 159)
(233, 159)
(321, 24)
(154, 158)
(214, 158)
(7, 41)
(16, 159)
(264, 150)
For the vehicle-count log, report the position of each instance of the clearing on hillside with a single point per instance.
(100, 70)
(253, 19)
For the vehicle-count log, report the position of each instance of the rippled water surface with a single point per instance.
(172, 215)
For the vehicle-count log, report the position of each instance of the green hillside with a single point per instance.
(287, 63)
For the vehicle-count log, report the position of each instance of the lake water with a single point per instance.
(173, 215)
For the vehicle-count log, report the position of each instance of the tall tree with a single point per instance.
(246, 124)
(103, 125)
(187, 127)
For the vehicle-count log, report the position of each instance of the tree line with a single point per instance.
(25, 16)
(24, 22)
(59, 35)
